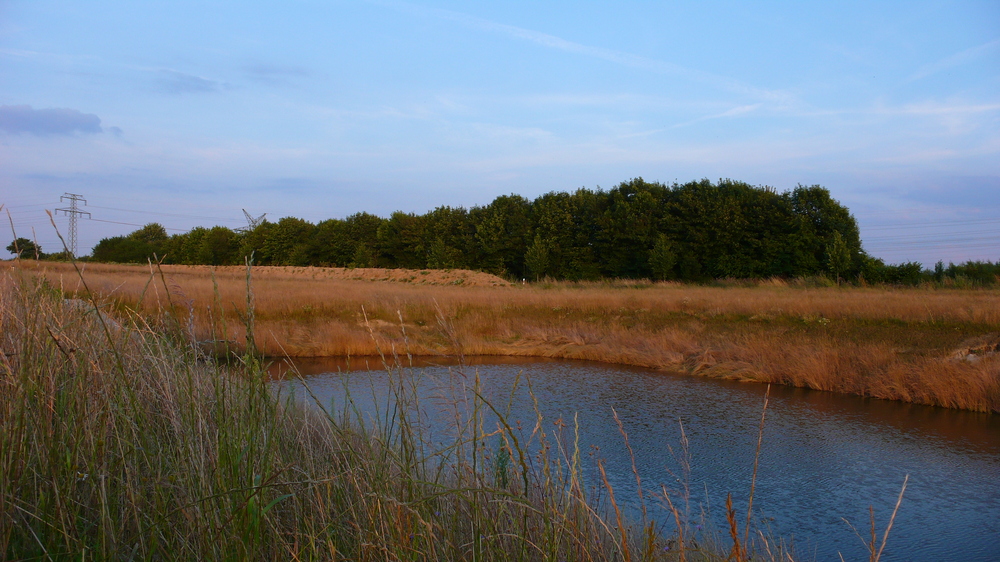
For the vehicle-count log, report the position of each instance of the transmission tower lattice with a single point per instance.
(73, 213)
(252, 223)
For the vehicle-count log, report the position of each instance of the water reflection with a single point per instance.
(825, 456)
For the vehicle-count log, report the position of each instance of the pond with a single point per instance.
(825, 457)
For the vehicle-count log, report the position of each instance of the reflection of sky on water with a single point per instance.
(825, 457)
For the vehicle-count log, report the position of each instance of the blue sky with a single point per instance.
(186, 112)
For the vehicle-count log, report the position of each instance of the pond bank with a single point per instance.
(925, 346)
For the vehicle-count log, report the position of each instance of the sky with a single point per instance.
(185, 113)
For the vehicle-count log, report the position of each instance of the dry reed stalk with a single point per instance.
(892, 518)
(625, 549)
(736, 554)
(875, 554)
(756, 462)
(681, 553)
(178, 460)
(635, 470)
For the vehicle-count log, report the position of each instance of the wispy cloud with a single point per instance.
(958, 59)
(174, 82)
(734, 112)
(929, 108)
(56, 121)
(615, 101)
(956, 117)
(610, 55)
(274, 73)
(23, 53)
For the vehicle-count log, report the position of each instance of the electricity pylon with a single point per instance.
(73, 213)
(252, 223)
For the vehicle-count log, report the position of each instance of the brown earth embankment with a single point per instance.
(921, 345)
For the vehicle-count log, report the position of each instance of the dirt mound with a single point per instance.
(420, 276)
(458, 277)
(974, 349)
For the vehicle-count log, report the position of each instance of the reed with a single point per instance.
(120, 439)
(153, 452)
(913, 344)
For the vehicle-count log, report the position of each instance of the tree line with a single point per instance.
(694, 231)
(28, 249)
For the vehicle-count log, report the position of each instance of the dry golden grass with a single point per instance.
(118, 443)
(901, 344)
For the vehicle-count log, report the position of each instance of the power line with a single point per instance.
(936, 235)
(133, 224)
(944, 243)
(930, 224)
(165, 214)
(28, 205)
(939, 247)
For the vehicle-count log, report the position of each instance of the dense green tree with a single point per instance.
(939, 271)
(329, 245)
(402, 241)
(219, 246)
(627, 220)
(443, 256)
(122, 249)
(335, 242)
(838, 257)
(872, 270)
(187, 246)
(451, 238)
(691, 224)
(567, 224)
(252, 241)
(730, 229)
(907, 273)
(362, 231)
(818, 216)
(364, 256)
(147, 243)
(876, 271)
(286, 243)
(503, 232)
(152, 234)
(536, 259)
(22, 247)
(976, 272)
(60, 256)
(663, 258)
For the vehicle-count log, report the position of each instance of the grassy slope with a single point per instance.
(118, 441)
(896, 344)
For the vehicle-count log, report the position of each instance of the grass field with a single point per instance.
(922, 345)
(118, 440)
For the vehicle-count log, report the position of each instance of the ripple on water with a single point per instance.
(825, 457)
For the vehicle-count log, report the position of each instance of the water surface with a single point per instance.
(825, 457)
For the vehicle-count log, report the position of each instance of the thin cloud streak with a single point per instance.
(274, 74)
(734, 112)
(18, 53)
(938, 109)
(958, 59)
(174, 82)
(610, 55)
